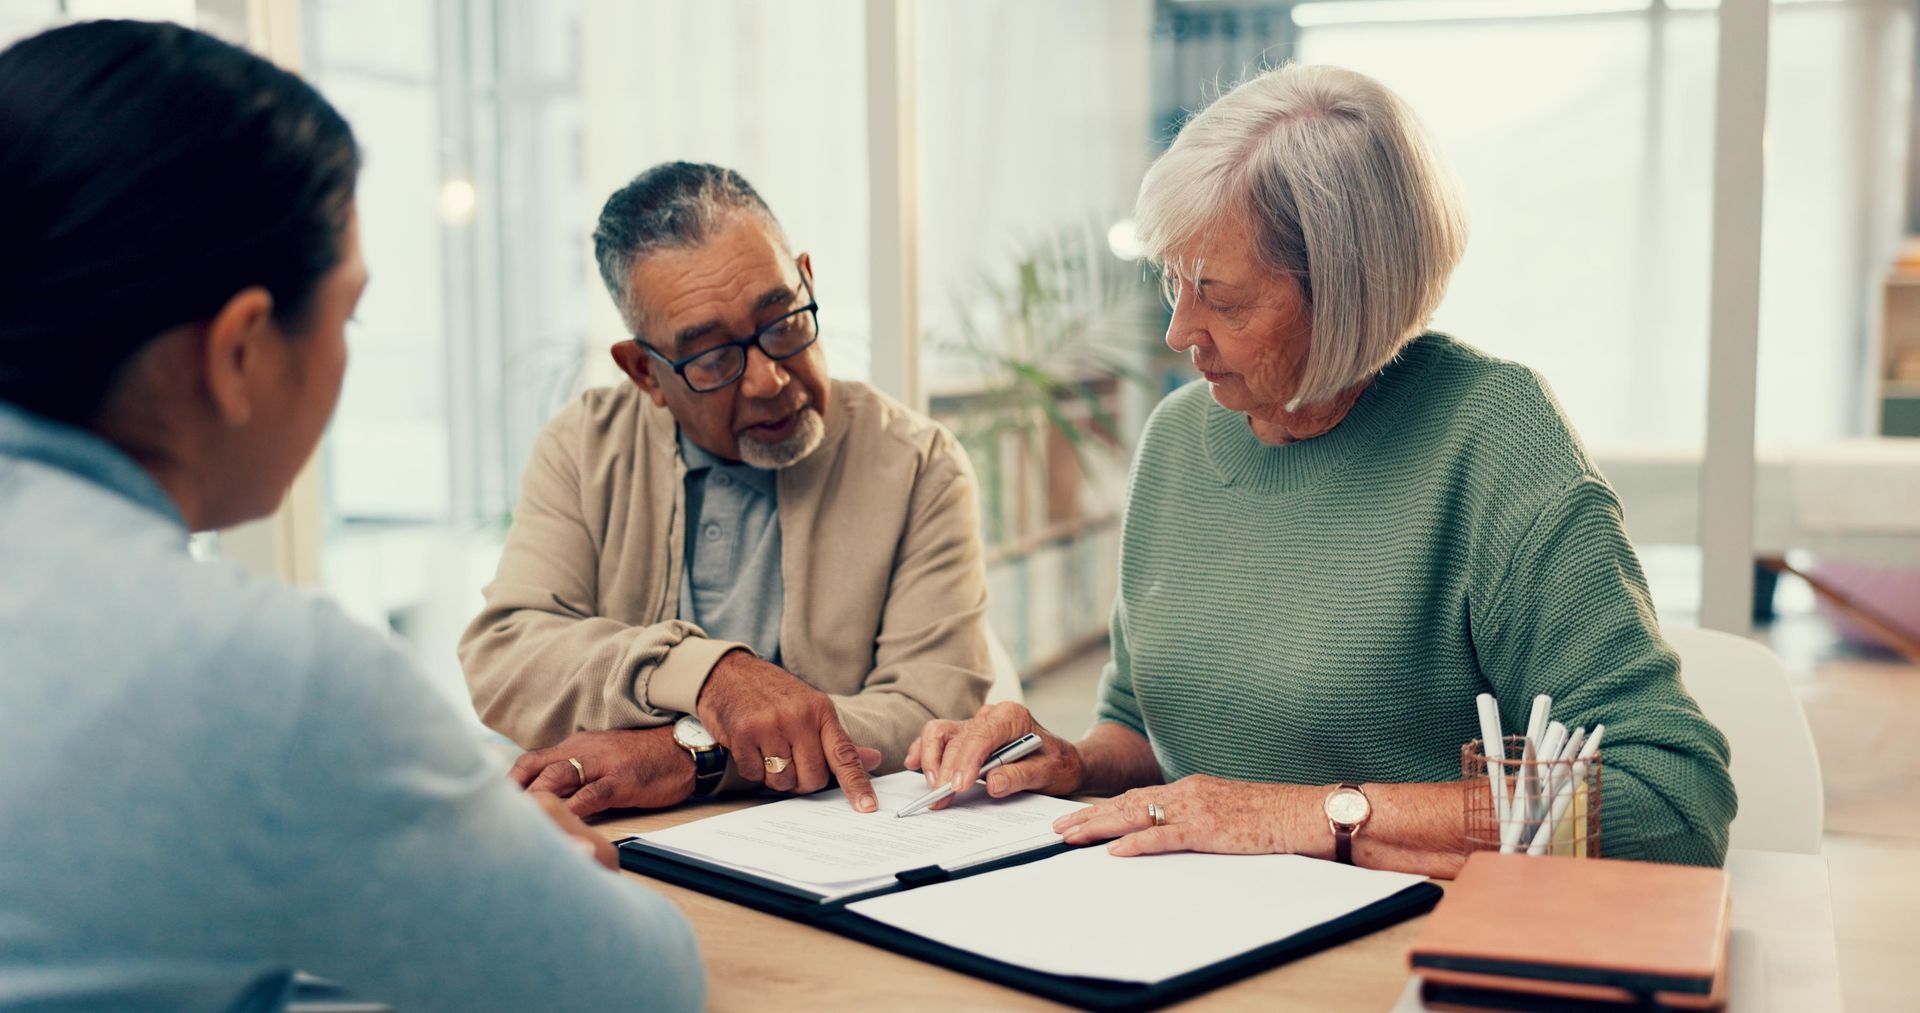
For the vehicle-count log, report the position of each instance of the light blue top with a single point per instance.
(208, 780)
(732, 587)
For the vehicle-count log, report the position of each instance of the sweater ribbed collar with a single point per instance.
(1241, 459)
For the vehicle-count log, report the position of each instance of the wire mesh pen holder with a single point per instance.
(1555, 804)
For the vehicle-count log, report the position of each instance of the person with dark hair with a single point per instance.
(211, 779)
(729, 572)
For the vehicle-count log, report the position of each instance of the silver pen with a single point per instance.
(1008, 753)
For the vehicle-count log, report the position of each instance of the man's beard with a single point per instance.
(809, 429)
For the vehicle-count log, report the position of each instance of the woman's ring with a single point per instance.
(1157, 814)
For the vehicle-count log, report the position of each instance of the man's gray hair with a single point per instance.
(1342, 191)
(674, 205)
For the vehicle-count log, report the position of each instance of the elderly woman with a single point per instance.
(1350, 529)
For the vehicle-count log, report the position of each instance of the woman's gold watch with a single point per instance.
(1347, 811)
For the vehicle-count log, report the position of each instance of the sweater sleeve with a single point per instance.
(930, 656)
(410, 871)
(1117, 703)
(541, 662)
(1566, 612)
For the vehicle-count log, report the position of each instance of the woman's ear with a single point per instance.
(232, 353)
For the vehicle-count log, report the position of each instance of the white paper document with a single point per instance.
(819, 844)
(1145, 919)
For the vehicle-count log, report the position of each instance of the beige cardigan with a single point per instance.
(880, 557)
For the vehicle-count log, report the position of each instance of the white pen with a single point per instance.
(1493, 746)
(1522, 808)
(1544, 774)
(1536, 734)
(1544, 836)
(1537, 720)
(1526, 786)
(1558, 796)
(1006, 754)
(1592, 747)
(1564, 798)
(1563, 771)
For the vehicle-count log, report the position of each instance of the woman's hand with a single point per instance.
(1200, 813)
(951, 752)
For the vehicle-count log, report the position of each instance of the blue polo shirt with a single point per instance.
(732, 585)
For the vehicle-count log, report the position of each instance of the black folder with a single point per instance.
(637, 855)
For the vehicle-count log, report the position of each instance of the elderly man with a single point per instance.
(733, 569)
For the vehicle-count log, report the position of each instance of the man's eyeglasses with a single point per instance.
(713, 368)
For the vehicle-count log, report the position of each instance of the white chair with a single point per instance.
(1006, 675)
(1742, 688)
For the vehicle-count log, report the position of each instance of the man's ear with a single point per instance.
(232, 354)
(634, 361)
(805, 261)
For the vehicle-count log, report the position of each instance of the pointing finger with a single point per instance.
(844, 757)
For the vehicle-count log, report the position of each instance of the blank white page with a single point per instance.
(1145, 919)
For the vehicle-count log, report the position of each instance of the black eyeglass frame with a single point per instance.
(746, 344)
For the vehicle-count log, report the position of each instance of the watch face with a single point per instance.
(691, 734)
(1347, 807)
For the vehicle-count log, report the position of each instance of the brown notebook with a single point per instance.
(1524, 932)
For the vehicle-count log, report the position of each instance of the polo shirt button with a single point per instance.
(723, 480)
(713, 532)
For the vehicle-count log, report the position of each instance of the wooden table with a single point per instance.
(757, 962)
(1782, 952)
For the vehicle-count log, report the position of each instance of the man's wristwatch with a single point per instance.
(1347, 811)
(709, 757)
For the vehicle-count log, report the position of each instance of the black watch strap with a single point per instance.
(709, 767)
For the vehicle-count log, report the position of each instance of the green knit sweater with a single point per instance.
(1327, 610)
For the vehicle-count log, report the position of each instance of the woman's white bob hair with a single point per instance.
(1342, 191)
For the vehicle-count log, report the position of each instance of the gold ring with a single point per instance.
(578, 771)
(1157, 814)
(776, 764)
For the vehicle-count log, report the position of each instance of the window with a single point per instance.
(1582, 136)
(1038, 337)
(1580, 130)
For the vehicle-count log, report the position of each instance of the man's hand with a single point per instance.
(626, 769)
(592, 844)
(758, 710)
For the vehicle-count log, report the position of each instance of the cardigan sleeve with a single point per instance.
(930, 654)
(541, 661)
